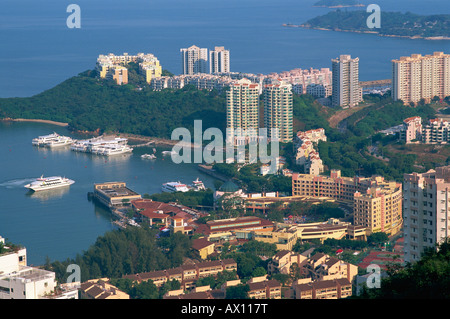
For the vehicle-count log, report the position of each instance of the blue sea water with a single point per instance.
(38, 51)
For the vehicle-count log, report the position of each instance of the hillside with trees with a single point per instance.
(426, 279)
(393, 23)
(96, 105)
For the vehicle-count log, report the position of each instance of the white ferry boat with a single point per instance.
(44, 139)
(171, 187)
(102, 146)
(166, 153)
(148, 156)
(109, 150)
(59, 141)
(198, 185)
(44, 183)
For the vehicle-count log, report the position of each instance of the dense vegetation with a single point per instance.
(190, 199)
(91, 104)
(126, 251)
(393, 23)
(135, 250)
(346, 145)
(425, 279)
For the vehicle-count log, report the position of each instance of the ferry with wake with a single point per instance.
(45, 183)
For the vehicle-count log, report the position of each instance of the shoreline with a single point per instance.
(134, 137)
(35, 121)
(341, 6)
(369, 32)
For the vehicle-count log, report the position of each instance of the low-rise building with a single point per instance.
(113, 194)
(223, 229)
(285, 236)
(19, 281)
(101, 289)
(261, 288)
(323, 289)
(186, 274)
(283, 260)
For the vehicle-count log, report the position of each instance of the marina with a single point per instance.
(62, 222)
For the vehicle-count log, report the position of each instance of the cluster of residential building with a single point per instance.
(306, 153)
(420, 77)
(114, 66)
(436, 131)
(377, 204)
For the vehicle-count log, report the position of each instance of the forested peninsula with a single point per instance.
(393, 24)
(93, 105)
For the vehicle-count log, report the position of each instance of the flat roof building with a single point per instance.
(113, 194)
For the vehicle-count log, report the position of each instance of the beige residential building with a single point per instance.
(379, 209)
(306, 155)
(194, 60)
(186, 274)
(376, 203)
(436, 131)
(261, 288)
(278, 112)
(426, 211)
(411, 130)
(346, 89)
(324, 289)
(285, 236)
(283, 260)
(242, 112)
(333, 186)
(421, 77)
(101, 289)
(119, 74)
(219, 60)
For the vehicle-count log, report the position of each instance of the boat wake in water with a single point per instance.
(17, 183)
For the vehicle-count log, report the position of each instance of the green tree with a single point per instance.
(237, 292)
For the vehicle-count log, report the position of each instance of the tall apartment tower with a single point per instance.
(242, 111)
(219, 60)
(346, 89)
(426, 210)
(421, 77)
(278, 111)
(194, 60)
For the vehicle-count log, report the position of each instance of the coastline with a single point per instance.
(133, 137)
(36, 121)
(368, 32)
(341, 6)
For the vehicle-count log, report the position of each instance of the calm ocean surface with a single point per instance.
(38, 51)
(62, 223)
